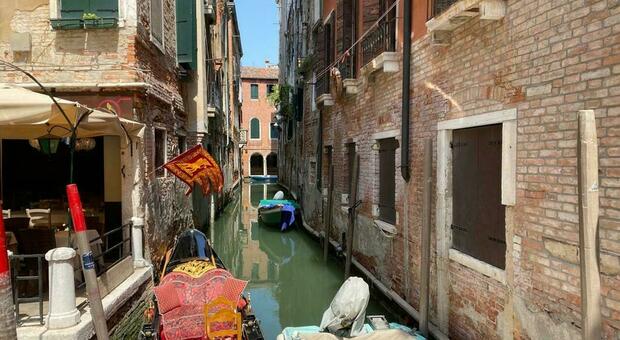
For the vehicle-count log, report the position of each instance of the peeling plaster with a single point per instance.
(537, 324)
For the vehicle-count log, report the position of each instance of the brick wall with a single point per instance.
(547, 60)
(257, 108)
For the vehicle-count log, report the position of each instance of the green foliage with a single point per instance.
(305, 66)
(89, 16)
(280, 98)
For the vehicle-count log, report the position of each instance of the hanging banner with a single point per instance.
(197, 166)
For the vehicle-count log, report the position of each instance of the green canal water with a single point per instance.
(290, 285)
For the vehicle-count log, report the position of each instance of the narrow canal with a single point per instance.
(290, 285)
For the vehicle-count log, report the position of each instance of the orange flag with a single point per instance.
(197, 166)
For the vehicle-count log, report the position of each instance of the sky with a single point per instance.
(258, 23)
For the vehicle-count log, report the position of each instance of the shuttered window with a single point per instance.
(157, 23)
(387, 180)
(186, 33)
(255, 128)
(478, 217)
(254, 91)
(75, 9)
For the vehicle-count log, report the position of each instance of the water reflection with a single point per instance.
(289, 283)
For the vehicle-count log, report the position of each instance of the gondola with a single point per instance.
(197, 297)
(283, 214)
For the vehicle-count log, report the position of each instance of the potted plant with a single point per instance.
(91, 20)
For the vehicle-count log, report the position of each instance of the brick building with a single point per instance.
(506, 78)
(260, 155)
(172, 65)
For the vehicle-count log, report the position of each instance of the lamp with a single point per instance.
(48, 144)
(85, 144)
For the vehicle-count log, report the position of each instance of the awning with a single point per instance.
(25, 114)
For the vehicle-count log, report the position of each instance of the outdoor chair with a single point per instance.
(40, 217)
(224, 324)
(6, 213)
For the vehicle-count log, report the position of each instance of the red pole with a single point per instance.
(88, 263)
(7, 310)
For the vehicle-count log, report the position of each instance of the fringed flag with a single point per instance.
(197, 166)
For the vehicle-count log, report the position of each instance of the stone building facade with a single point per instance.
(128, 63)
(260, 155)
(512, 74)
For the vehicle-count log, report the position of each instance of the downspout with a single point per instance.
(404, 149)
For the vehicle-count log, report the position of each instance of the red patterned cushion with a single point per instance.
(167, 298)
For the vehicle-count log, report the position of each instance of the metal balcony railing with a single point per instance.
(347, 67)
(381, 39)
(436, 7)
(322, 84)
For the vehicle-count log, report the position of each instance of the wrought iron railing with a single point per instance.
(322, 83)
(117, 247)
(436, 7)
(18, 278)
(382, 38)
(346, 66)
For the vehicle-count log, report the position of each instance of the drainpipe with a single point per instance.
(404, 149)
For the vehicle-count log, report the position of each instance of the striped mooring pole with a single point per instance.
(7, 310)
(88, 263)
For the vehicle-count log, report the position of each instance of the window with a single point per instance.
(254, 91)
(75, 9)
(160, 152)
(182, 144)
(157, 23)
(350, 161)
(478, 216)
(387, 180)
(270, 88)
(254, 128)
(274, 132)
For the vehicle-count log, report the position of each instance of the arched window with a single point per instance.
(254, 128)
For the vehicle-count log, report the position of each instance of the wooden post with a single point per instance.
(352, 215)
(7, 311)
(587, 168)
(328, 219)
(88, 263)
(425, 265)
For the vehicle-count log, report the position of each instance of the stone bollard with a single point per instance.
(136, 242)
(62, 311)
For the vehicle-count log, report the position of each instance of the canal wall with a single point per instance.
(531, 72)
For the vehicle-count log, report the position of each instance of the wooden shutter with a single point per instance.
(387, 180)
(255, 128)
(186, 32)
(478, 227)
(104, 8)
(350, 158)
(73, 9)
(156, 21)
(254, 91)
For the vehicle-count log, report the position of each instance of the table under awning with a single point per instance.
(25, 114)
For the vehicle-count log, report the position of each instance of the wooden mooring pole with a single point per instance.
(88, 263)
(7, 310)
(352, 215)
(425, 265)
(587, 169)
(328, 217)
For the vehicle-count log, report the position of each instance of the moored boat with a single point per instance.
(279, 213)
(345, 319)
(198, 298)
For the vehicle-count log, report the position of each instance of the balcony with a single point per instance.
(348, 74)
(447, 15)
(379, 46)
(214, 100)
(323, 94)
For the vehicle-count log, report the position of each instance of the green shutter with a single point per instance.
(73, 9)
(104, 8)
(186, 32)
(255, 128)
(254, 91)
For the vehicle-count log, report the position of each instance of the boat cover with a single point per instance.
(396, 332)
(346, 313)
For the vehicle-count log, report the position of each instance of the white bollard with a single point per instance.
(136, 242)
(62, 311)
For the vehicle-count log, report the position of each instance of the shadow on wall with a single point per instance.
(96, 40)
